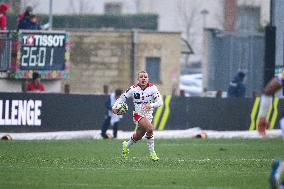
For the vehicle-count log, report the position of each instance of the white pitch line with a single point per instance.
(166, 134)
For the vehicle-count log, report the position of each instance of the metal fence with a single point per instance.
(5, 50)
(229, 53)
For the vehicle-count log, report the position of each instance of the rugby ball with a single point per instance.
(122, 108)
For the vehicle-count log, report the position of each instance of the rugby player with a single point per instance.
(266, 99)
(146, 97)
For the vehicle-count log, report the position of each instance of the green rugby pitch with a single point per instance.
(184, 163)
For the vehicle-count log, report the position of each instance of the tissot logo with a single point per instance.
(43, 40)
(30, 40)
(20, 112)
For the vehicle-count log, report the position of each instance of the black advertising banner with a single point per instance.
(26, 112)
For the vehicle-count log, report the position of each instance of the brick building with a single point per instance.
(113, 58)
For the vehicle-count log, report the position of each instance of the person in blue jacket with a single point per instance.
(111, 119)
(236, 86)
(29, 23)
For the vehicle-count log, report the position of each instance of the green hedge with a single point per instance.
(11, 21)
(139, 21)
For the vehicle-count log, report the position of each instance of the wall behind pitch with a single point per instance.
(209, 113)
(61, 112)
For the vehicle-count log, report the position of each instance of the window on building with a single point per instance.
(248, 18)
(153, 65)
(113, 8)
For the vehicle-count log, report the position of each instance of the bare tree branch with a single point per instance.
(72, 7)
(189, 13)
(32, 3)
(80, 7)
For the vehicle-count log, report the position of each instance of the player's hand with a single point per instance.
(147, 107)
(115, 111)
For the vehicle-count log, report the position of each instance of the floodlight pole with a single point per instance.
(50, 15)
(270, 47)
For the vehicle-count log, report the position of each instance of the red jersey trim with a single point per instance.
(148, 85)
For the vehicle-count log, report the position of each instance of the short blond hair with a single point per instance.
(143, 71)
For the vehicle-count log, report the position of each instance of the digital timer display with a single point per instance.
(42, 51)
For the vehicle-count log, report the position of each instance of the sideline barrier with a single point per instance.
(26, 112)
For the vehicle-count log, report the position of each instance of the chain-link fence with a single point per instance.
(229, 53)
(5, 50)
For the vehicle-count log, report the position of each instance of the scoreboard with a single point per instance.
(43, 51)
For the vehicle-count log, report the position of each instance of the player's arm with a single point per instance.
(273, 86)
(121, 99)
(158, 101)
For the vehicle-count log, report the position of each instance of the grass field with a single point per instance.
(184, 163)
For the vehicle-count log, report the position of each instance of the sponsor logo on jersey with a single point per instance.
(136, 96)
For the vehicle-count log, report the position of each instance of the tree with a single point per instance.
(32, 3)
(189, 14)
(80, 7)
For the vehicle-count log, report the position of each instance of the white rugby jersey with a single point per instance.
(280, 78)
(150, 95)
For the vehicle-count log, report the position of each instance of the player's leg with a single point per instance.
(105, 127)
(150, 137)
(139, 131)
(137, 135)
(276, 171)
(282, 126)
(114, 129)
(266, 99)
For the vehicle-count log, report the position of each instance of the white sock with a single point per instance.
(130, 142)
(282, 126)
(150, 144)
(265, 102)
(279, 171)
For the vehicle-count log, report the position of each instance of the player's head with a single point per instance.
(143, 78)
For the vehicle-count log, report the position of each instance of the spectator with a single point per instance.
(24, 15)
(105, 88)
(219, 94)
(237, 87)
(3, 18)
(182, 93)
(204, 92)
(29, 23)
(35, 85)
(67, 89)
(111, 118)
